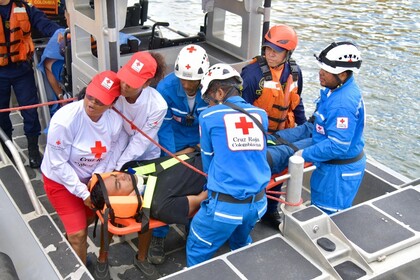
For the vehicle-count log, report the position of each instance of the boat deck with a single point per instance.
(123, 248)
(391, 215)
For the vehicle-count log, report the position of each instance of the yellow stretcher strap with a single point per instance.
(146, 169)
(171, 162)
(151, 167)
(150, 189)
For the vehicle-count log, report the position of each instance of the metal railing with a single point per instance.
(21, 170)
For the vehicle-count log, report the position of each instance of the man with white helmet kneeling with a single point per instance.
(337, 138)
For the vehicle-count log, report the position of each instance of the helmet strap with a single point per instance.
(230, 92)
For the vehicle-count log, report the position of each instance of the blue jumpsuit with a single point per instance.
(338, 134)
(234, 157)
(20, 76)
(299, 136)
(176, 132)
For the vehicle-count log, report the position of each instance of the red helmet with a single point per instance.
(281, 37)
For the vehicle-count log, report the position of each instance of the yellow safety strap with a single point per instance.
(150, 189)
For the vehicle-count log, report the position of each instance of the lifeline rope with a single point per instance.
(133, 126)
(37, 105)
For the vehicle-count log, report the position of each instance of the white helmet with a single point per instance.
(340, 57)
(219, 71)
(192, 62)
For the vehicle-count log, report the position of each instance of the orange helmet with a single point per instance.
(281, 37)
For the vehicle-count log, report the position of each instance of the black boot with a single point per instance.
(33, 151)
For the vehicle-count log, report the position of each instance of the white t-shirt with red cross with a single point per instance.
(77, 147)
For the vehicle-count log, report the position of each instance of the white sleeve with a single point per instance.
(59, 155)
(138, 143)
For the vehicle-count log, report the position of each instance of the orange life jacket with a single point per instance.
(20, 46)
(278, 101)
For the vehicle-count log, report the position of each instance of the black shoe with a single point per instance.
(156, 253)
(101, 271)
(273, 219)
(35, 160)
(33, 152)
(148, 269)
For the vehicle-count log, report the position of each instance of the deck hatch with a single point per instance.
(208, 271)
(272, 259)
(403, 206)
(364, 225)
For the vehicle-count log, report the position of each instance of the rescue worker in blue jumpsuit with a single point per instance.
(274, 83)
(179, 131)
(16, 50)
(233, 151)
(339, 120)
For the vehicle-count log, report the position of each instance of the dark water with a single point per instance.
(388, 35)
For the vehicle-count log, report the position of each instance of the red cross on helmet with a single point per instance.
(192, 62)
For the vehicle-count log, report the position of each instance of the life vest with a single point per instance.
(20, 46)
(277, 99)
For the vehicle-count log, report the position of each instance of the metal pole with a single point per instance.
(22, 172)
(294, 184)
(266, 24)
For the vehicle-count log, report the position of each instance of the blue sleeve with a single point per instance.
(299, 113)
(206, 146)
(166, 134)
(40, 21)
(250, 84)
(338, 142)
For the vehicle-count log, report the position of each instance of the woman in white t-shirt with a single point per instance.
(142, 105)
(81, 139)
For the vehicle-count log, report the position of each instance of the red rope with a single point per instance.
(37, 105)
(133, 126)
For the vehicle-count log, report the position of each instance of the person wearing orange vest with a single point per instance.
(17, 18)
(273, 82)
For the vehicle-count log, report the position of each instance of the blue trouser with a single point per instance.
(334, 187)
(298, 136)
(161, 232)
(26, 94)
(217, 222)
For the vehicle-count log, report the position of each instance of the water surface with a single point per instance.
(388, 35)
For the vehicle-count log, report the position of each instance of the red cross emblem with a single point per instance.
(188, 66)
(191, 49)
(342, 121)
(98, 150)
(58, 142)
(244, 125)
